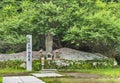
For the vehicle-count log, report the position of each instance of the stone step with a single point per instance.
(48, 71)
(46, 75)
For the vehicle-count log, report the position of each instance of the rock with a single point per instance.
(64, 53)
(115, 63)
(71, 54)
(23, 65)
(19, 56)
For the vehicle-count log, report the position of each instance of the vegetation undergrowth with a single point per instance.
(106, 72)
(13, 68)
(0, 79)
(111, 72)
(78, 80)
(18, 65)
(11, 72)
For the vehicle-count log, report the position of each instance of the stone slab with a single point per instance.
(12, 80)
(46, 75)
(48, 71)
(22, 79)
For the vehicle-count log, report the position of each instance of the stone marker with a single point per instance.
(29, 53)
(49, 42)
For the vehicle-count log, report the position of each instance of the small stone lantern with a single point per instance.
(49, 56)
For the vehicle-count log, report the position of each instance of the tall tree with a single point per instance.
(76, 23)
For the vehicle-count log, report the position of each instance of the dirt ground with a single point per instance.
(82, 75)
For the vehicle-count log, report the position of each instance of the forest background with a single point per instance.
(87, 25)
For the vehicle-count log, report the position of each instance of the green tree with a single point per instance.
(98, 29)
(75, 23)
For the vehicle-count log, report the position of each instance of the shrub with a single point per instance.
(36, 64)
(50, 64)
(89, 64)
(60, 64)
(0, 79)
(14, 64)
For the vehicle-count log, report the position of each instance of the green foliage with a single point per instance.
(92, 64)
(49, 64)
(52, 80)
(68, 64)
(79, 80)
(109, 72)
(12, 64)
(0, 79)
(36, 64)
(91, 23)
(97, 28)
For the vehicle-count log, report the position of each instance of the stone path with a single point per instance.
(22, 79)
(46, 75)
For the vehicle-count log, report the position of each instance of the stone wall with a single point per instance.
(65, 53)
